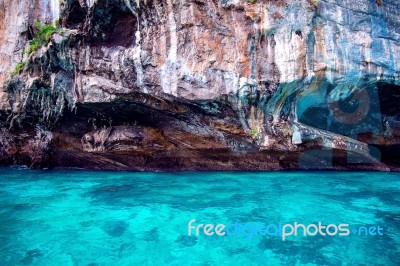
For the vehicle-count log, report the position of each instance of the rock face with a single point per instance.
(200, 85)
(16, 16)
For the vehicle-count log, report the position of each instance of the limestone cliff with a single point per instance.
(202, 84)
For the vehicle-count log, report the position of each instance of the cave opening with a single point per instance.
(122, 30)
(76, 15)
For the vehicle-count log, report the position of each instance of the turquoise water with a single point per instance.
(107, 218)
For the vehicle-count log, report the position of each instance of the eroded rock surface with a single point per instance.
(205, 84)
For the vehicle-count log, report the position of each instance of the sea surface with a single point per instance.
(120, 218)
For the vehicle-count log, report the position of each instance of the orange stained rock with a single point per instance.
(252, 11)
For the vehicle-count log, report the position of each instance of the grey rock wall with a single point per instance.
(277, 75)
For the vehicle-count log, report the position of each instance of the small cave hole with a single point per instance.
(299, 33)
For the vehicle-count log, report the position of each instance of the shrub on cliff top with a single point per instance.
(43, 35)
(42, 38)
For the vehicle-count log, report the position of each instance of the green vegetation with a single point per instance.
(18, 68)
(315, 2)
(251, 1)
(42, 38)
(254, 132)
